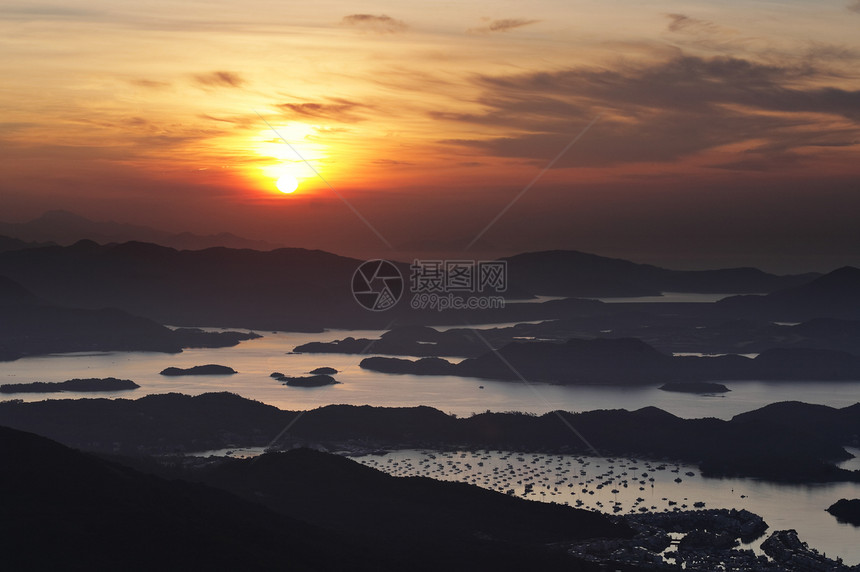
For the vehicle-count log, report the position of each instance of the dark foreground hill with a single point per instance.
(783, 442)
(301, 510)
(64, 510)
(459, 522)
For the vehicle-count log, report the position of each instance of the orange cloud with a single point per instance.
(504, 25)
(381, 24)
(220, 79)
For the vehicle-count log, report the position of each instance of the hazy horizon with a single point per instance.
(680, 259)
(690, 135)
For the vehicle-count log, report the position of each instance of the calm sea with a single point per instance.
(799, 507)
(595, 483)
(256, 359)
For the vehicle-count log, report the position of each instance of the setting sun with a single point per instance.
(287, 184)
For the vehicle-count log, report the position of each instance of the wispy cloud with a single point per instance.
(503, 25)
(380, 24)
(391, 162)
(46, 12)
(664, 111)
(684, 23)
(220, 79)
(339, 110)
(149, 83)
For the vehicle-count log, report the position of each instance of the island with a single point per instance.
(846, 510)
(89, 384)
(783, 442)
(308, 381)
(208, 369)
(197, 338)
(701, 387)
(323, 371)
(626, 361)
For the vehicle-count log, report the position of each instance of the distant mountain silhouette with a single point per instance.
(571, 273)
(8, 243)
(834, 295)
(31, 326)
(303, 290)
(63, 227)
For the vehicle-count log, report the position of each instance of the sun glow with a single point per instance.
(287, 166)
(287, 183)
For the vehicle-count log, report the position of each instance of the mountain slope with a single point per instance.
(834, 295)
(67, 510)
(30, 326)
(572, 273)
(63, 227)
(308, 290)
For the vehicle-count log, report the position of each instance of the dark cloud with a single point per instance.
(340, 110)
(705, 35)
(661, 112)
(854, 6)
(763, 162)
(7, 127)
(831, 53)
(381, 24)
(391, 162)
(46, 12)
(234, 120)
(686, 24)
(149, 83)
(504, 25)
(220, 79)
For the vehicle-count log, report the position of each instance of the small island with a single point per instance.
(323, 371)
(208, 369)
(701, 387)
(308, 381)
(89, 384)
(846, 510)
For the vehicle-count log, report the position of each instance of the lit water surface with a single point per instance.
(596, 483)
(799, 507)
(256, 359)
(672, 297)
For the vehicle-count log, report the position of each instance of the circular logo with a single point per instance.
(377, 285)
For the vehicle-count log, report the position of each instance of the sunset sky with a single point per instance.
(727, 132)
